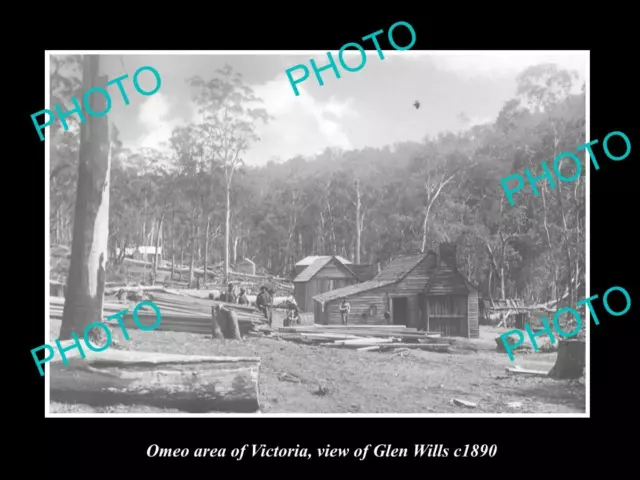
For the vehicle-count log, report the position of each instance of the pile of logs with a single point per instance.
(366, 337)
(180, 313)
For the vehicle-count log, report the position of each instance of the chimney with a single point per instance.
(447, 253)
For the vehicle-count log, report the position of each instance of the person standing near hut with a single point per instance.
(271, 297)
(262, 300)
(345, 308)
(228, 296)
(242, 298)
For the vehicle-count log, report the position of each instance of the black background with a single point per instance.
(117, 447)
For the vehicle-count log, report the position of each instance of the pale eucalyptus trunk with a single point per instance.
(85, 284)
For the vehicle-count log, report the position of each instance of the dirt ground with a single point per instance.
(298, 378)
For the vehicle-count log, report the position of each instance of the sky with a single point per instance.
(371, 107)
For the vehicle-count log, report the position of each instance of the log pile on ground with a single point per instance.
(180, 313)
(366, 338)
(194, 384)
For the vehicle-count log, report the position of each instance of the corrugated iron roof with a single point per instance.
(350, 290)
(399, 267)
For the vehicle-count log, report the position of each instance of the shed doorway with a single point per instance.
(400, 311)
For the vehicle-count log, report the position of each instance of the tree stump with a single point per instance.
(216, 332)
(571, 360)
(229, 323)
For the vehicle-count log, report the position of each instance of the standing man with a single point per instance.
(228, 296)
(271, 296)
(242, 298)
(387, 317)
(262, 300)
(345, 308)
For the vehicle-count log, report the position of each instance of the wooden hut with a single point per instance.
(246, 266)
(323, 275)
(423, 291)
(397, 288)
(308, 261)
(450, 301)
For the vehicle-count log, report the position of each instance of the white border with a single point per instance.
(408, 53)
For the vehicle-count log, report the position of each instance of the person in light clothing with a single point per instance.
(345, 308)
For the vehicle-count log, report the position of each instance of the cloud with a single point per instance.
(500, 64)
(158, 120)
(302, 125)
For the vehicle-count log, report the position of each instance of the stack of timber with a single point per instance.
(180, 313)
(366, 337)
(191, 383)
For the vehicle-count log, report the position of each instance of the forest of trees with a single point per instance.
(205, 207)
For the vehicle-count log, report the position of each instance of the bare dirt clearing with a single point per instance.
(297, 378)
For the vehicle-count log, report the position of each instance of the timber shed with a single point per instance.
(323, 275)
(308, 261)
(450, 301)
(424, 291)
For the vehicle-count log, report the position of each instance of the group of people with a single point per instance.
(264, 303)
(230, 296)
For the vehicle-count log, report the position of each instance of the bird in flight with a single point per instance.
(416, 104)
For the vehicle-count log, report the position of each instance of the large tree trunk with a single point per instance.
(227, 225)
(570, 362)
(173, 250)
(358, 225)
(85, 284)
(192, 263)
(182, 253)
(235, 250)
(206, 250)
(189, 383)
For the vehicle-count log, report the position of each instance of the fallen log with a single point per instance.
(194, 384)
(368, 342)
(430, 347)
(372, 348)
(328, 336)
(464, 403)
(373, 327)
(135, 288)
(523, 371)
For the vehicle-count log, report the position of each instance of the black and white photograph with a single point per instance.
(228, 238)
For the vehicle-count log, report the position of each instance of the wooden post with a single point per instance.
(427, 310)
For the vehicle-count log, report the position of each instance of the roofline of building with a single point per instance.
(383, 283)
(331, 257)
